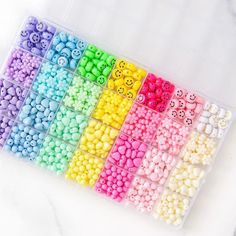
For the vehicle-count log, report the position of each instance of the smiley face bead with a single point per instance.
(214, 120)
(96, 65)
(126, 78)
(36, 36)
(185, 106)
(155, 93)
(66, 50)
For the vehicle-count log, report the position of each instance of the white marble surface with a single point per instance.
(192, 42)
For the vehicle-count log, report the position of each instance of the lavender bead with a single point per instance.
(5, 127)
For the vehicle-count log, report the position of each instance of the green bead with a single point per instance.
(89, 54)
(81, 71)
(98, 53)
(89, 66)
(96, 72)
(101, 79)
(83, 61)
(92, 47)
(101, 65)
(106, 71)
(90, 76)
(111, 60)
(104, 56)
(95, 61)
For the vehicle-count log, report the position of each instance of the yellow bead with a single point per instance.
(111, 84)
(118, 82)
(131, 67)
(121, 64)
(129, 81)
(127, 72)
(117, 73)
(142, 72)
(137, 85)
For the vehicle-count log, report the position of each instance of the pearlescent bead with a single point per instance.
(143, 194)
(55, 155)
(97, 139)
(22, 67)
(126, 78)
(5, 128)
(68, 125)
(141, 123)
(52, 81)
(170, 136)
(24, 141)
(113, 182)
(127, 153)
(82, 95)
(157, 165)
(214, 120)
(172, 207)
(200, 149)
(84, 168)
(112, 109)
(96, 64)
(185, 179)
(38, 111)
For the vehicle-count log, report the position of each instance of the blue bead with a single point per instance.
(72, 38)
(27, 121)
(55, 58)
(60, 46)
(63, 36)
(70, 45)
(62, 61)
(81, 45)
(76, 54)
(50, 54)
(53, 105)
(14, 148)
(56, 40)
(73, 64)
(38, 126)
(66, 52)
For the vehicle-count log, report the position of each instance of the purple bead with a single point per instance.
(47, 35)
(44, 43)
(41, 26)
(30, 27)
(36, 51)
(5, 125)
(24, 34)
(34, 37)
(51, 29)
(26, 44)
(32, 20)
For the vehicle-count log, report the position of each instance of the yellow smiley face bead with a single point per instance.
(84, 168)
(172, 208)
(127, 78)
(112, 108)
(98, 139)
(200, 149)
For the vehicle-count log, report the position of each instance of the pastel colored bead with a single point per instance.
(214, 120)
(52, 81)
(84, 168)
(157, 165)
(172, 208)
(97, 139)
(11, 98)
(155, 93)
(126, 78)
(36, 36)
(127, 153)
(68, 125)
(5, 128)
(200, 149)
(96, 64)
(141, 123)
(55, 155)
(38, 111)
(112, 109)
(22, 67)
(24, 142)
(66, 50)
(82, 95)
(143, 194)
(185, 179)
(113, 182)
(170, 136)
(185, 106)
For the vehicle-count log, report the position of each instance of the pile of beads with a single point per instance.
(112, 109)
(52, 82)
(113, 182)
(170, 136)
(66, 50)
(11, 98)
(82, 95)
(155, 93)
(185, 106)
(143, 194)
(84, 168)
(126, 78)
(200, 149)
(141, 123)
(22, 67)
(98, 139)
(96, 65)
(185, 179)
(36, 36)
(38, 111)
(24, 141)
(55, 155)
(68, 125)
(214, 120)
(127, 153)
(172, 207)
(157, 165)
(5, 128)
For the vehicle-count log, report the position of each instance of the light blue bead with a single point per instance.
(81, 45)
(51, 116)
(14, 149)
(24, 152)
(20, 148)
(33, 143)
(38, 99)
(55, 58)
(76, 54)
(46, 112)
(60, 46)
(73, 64)
(27, 121)
(45, 102)
(53, 105)
(40, 107)
(50, 54)
(33, 110)
(56, 40)
(70, 45)
(26, 129)
(26, 144)
(66, 52)
(33, 103)
(45, 125)
(38, 126)
(62, 61)
(72, 38)
(26, 109)
(29, 149)
(41, 136)
(63, 36)
(32, 132)
(40, 115)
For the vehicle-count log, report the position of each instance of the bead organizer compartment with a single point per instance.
(106, 123)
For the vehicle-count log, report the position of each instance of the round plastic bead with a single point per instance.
(68, 125)
(55, 155)
(112, 109)
(52, 81)
(84, 168)
(82, 95)
(97, 139)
